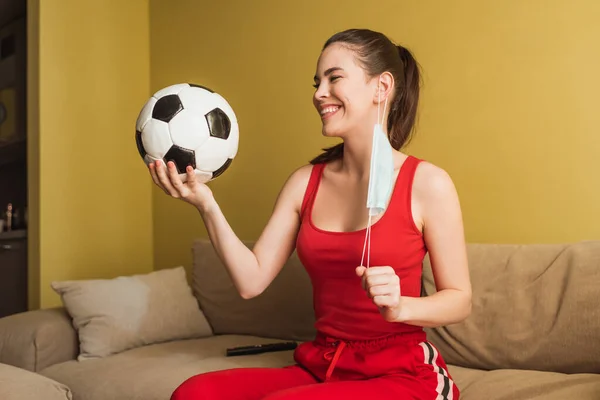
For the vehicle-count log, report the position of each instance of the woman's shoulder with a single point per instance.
(297, 181)
(301, 173)
(432, 182)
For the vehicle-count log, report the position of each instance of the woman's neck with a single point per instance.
(356, 161)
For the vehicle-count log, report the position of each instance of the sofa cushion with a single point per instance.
(283, 310)
(534, 307)
(20, 384)
(464, 377)
(112, 315)
(512, 384)
(154, 372)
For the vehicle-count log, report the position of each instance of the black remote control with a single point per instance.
(261, 348)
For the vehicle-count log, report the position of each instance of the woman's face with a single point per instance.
(344, 94)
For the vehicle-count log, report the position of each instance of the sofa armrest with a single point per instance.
(18, 384)
(34, 340)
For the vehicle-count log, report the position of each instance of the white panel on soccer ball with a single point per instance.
(189, 129)
(149, 159)
(198, 99)
(156, 138)
(212, 154)
(233, 140)
(224, 105)
(173, 89)
(201, 176)
(145, 114)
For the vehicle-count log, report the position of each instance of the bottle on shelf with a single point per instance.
(9, 217)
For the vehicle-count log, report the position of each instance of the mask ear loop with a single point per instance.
(367, 244)
(367, 239)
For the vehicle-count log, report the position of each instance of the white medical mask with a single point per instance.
(381, 174)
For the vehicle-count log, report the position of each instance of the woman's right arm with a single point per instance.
(251, 270)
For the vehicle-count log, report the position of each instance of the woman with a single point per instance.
(369, 319)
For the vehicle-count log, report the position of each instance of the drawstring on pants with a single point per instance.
(333, 356)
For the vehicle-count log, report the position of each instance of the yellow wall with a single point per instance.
(509, 105)
(90, 197)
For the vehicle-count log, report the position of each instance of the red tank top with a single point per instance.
(342, 307)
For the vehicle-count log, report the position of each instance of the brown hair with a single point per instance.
(377, 54)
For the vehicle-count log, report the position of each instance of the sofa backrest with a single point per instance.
(284, 310)
(535, 306)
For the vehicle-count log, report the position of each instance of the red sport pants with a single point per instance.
(400, 367)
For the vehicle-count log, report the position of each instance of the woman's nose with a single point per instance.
(322, 92)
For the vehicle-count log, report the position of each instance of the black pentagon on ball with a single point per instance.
(222, 168)
(181, 157)
(218, 123)
(201, 87)
(167, 107)
(140, 145)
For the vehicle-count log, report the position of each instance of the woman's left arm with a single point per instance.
(436, 199)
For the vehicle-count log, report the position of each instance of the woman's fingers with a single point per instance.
(168, 179)
(153, 173)
(381, 290)
(376, 280)
(191, 177)
(176, 179)
(165, 181)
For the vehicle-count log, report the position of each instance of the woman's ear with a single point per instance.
(384, 88)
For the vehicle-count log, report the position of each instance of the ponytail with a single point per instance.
(403, 111)
(329, 154)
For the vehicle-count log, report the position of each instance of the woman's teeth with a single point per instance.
(329, 110)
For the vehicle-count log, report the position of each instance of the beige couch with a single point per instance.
(17, 383)
(534, 332)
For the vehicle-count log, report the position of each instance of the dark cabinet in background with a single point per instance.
(13, 156)
(13, 273)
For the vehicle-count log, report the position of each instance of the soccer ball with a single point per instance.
(189, 125)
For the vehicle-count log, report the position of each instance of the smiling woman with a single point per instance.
(371, 58)
(369, 318)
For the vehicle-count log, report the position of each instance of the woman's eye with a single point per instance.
(332, 79)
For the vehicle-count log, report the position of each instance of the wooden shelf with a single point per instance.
(16, 234)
